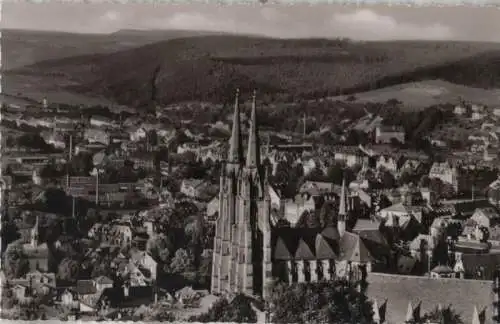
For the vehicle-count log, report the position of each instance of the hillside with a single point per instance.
(209, 67)
(26, 47)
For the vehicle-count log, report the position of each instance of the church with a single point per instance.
(251, 251)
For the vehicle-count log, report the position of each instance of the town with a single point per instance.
(212, 212)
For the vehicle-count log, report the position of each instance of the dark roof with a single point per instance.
(305, 251)
(461, 294)
(487, 263)
(85, 287)
(281, 251)
(325, 248)
(137, 296)
(331, 233)
(352, 248)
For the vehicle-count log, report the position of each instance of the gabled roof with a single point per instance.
(85, 287)
(281, 250)
(103, 280)
(325, 248)
(305, 251)
(353, 249)
(331, 233)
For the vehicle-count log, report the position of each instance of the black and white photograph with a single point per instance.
(250, 162)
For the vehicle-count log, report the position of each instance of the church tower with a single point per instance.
(342, 210)
(242, 256)
(34, 234)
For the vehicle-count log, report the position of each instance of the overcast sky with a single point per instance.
(375, 22)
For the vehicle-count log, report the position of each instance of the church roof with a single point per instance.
(311, 244)
(325, 248)
(331, 233)
(459, 293)
(352, 248)
(281, 250)
(305, 251)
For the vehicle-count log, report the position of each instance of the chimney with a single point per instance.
(125, 290)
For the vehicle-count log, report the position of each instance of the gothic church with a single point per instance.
(249, 251)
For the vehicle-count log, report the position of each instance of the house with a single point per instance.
(212, 210)
(137, 134)
(493, 192)
(187, 296)
(350, 155)
(487, 217)
(446, 173)
(95, 135)
(193, 187)
(459, 110)
(386, 134)
(121, 235)
(103, 282)
(101, 121)
(69, 298)
(477, 115)
(317, 188)
(54, 138)
(293, 210)
(442, 271)
(145, 260)
(38, 277)
(387, 162)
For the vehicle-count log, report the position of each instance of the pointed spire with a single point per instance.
(409, 313)
(253, 155)
(376, 312)
(343, 203)
(476, 319)
(235, 155)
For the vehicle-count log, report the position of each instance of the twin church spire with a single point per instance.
(235, 155)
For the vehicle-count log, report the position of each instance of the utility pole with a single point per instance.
(304, 130)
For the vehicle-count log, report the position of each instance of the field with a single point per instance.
(209, 68)
(418, 95)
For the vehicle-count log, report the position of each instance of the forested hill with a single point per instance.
(210, 67)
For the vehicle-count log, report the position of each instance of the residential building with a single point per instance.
(386, 134)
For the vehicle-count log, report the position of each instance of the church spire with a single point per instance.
(343, 201)
(341, 226)
(253, 154)
(235, 156)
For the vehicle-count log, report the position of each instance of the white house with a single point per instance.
(192, 187)
(143, 259)
(460, 110)
(445, 172)
(486, 217)
(101, 121)
(137, 134)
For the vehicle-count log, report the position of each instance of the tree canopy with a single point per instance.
(321, 302)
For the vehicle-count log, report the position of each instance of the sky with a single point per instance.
(275, 19)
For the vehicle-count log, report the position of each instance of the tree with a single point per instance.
(338, 302)
(68, 270)
(239, 310)
(160, 247)
(16, 263)
(182, 262)
(424, 181)
(328, 214)
(335, 173)
(388, 180)
(440, 315)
